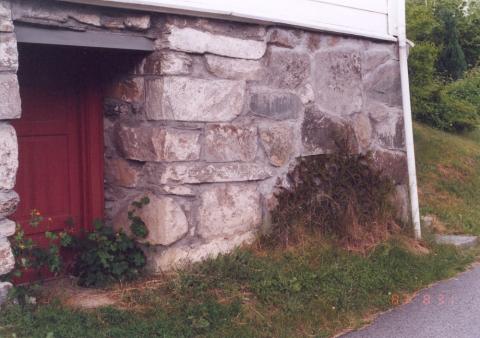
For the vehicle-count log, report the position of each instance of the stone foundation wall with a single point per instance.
(209, 124)
(9, 109)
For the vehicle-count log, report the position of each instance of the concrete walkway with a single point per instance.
(448, 309)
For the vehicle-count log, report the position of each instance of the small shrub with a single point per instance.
(31, 256)
(106, 256)
(460, 103)
(100, 257)
(338, 194)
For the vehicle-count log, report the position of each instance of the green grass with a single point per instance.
(308, 291)
(448, 168)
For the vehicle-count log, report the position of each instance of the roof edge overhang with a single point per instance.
(193, 9)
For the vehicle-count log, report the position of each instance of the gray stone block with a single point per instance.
(230, 142)
(196, 41)
(8, 156)
(151, 143)
(8, 52)
(7, 228)
(194, 173)
(275, 105)
(5, 288)
(7, 261)
(460, 241)
(338, 80)
(8, 202)
(10, 104)
(190, 99)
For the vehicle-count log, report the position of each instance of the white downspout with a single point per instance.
(407, 118)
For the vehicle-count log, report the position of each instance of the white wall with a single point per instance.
(370, 18)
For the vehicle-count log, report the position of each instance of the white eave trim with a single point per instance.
(196, 9)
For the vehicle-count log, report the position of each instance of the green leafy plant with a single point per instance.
(31, 256)
(106, 256)
(100, 257)
(137, 225)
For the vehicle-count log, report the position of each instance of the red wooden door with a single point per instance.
(60, 146)
(49, 178)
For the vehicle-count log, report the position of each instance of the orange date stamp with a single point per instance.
(426, 299)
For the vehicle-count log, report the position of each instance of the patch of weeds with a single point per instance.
(339, 194)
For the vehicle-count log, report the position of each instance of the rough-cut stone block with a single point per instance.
(8, 156)
(287, 69)
(306, 93)
(115, 107)
(8, 202)
(6, 25)
(390, 132)
(179, 255)
(376, 56)
(380, 112)
(237, 69)
(7, 261)
(216, 172)
(7, 228)
(322, 132)
(187, 99)
(149, 143)
(8, 52)
(113, 22)
(10, 106)
(168, 63)
(383, 84)
(230, 28)
(137, 22)
(122, 173)
(228, 210)
(401, 203)
(338, 80)
(128, 90)
(44, 12)
(230, 142)
(196, 41)
(460, 241)
(275, 105)
(4, 290)
(284, 37)
(182, 145)
(277, 140)
(363, 130)
(164, 218)
(393, 164)
(92, 19)
(5, 11)
(180, 190)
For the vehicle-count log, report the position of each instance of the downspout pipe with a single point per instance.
(407, 119)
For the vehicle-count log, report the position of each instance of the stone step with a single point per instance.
(460, 241)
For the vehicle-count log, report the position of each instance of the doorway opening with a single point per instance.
(61, 138)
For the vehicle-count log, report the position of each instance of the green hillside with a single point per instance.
(448, 168)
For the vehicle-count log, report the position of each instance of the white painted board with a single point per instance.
(369, 18)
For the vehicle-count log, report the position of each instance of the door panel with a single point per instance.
(49, 178)
(60, 136)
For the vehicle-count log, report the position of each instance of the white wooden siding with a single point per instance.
(370, 18)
